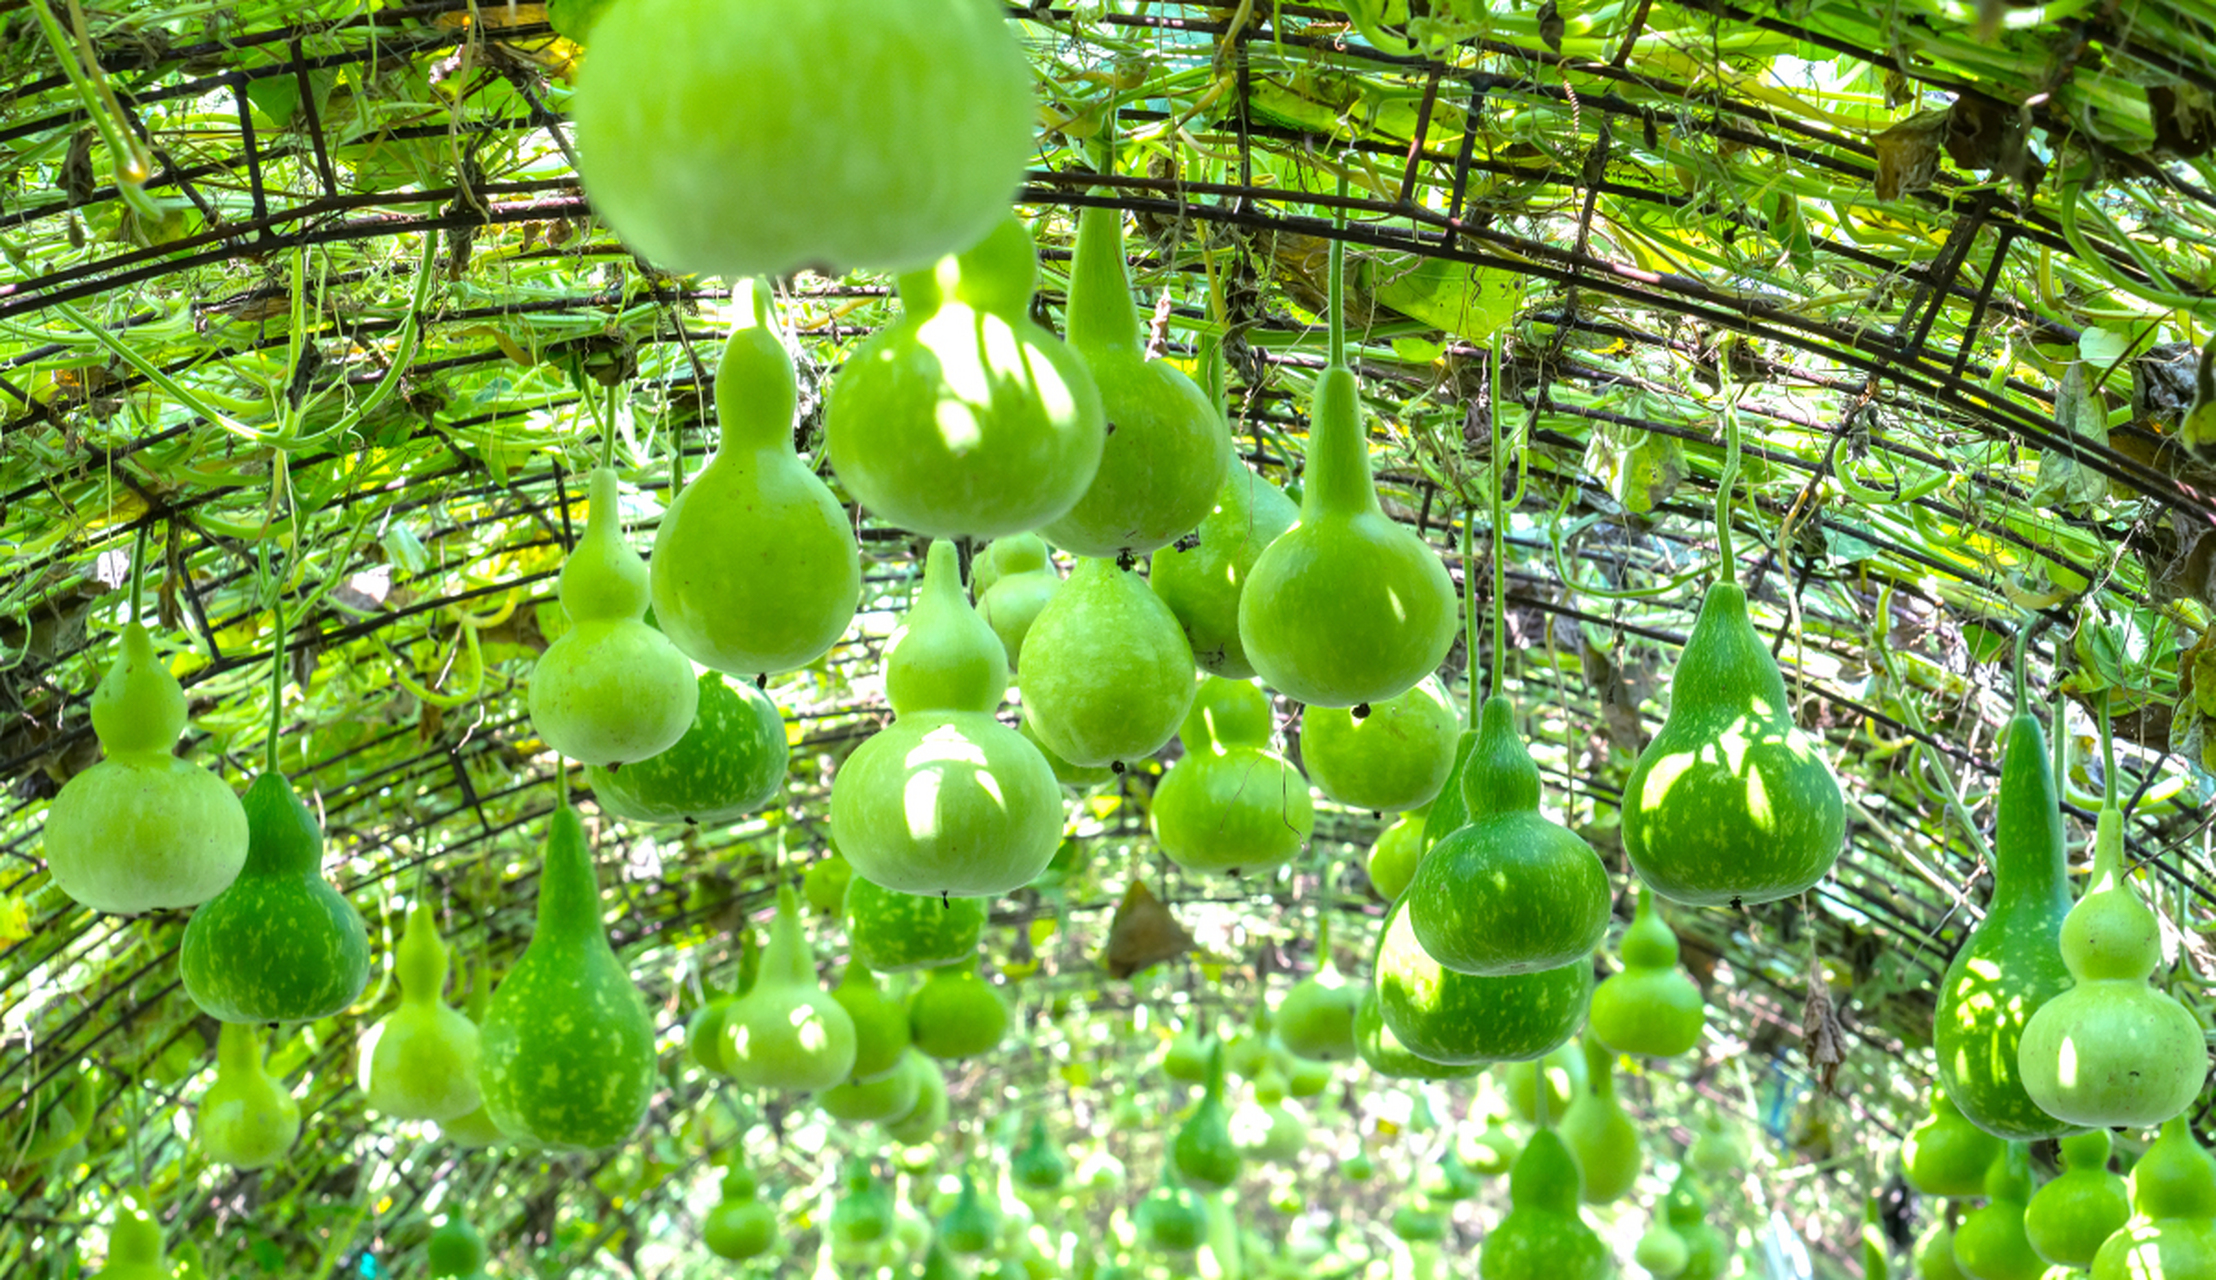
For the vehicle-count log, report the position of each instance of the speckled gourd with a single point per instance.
(2069, 1219)
(1376, 1045)
(1395, 758)
(895, 932)
(246, 1119)
(730, 762)
(788, 1033)
(1650, 1007)
(1108, 675)
(1543, 1236)
(423, 1057)
(1231, 804)
(1461, 1018)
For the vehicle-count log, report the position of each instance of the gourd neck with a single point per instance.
(1545, 1177)
(603, 579)
(787, 961)
(2087, 1151)
(1500, 776)
(1649, 943)
(1020, 553)
(1337, 475)
(1600, 1070)
(1213, 1085)
(1724, 663)
(569, 890)
(1100, 315)
(2030, 858)
(996, 275)
(422, 963)
(134, 1241)
(756, 394)
(2010, 1177)
(238, 1052)
(138, 707)
(2176, 1178)
(2110, 933)
(946, 657)
(2108, 853)
(283, 838)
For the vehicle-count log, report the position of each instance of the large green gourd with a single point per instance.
(731, 762)
(2172, 1231)
(1202, 584)
(1167, 447)
(894, 932)
(880, 1023)
(1650, 1007)
(1231, 804)
(788, 1032)
(1316, 1018)
(2011, 964)
(1395, 758)
(1543, 1237)
(755, 568)
(1946, 1155)
(280, 944)
(1989, 1243)
(1108, 675)
(891, 1097)
(423, 1058)
(246, 1120)
(2071, 1217)
(749, 138)
(143, 830)
(1598, 1133)
(1393, 859)
(611, 690)
(964, 418)
(1731, 802)
(1025, 580)
(1510, 891)
(1465, 1018)
(741, 1226)
(957, 1014)
(1203, 1152)
(568, 1046)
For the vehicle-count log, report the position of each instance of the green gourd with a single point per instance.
(2070, 1218)
(788, 1032)
(946, 800)
(1510, 891)
(1392, 859)
(135, 1249)
(1935, 1253)
(1202, 583)
(1077, 778)
(704, 1042)
(455, 1249)
(1719, 1149)
(1025, 581)
(730, 762)
(246, 1120)
(1990, 1243)
(755, 568)
(1265, 1129)
(741, 1226)
(1707, 1251)
(475, 1129)
(143, 830)
(1360, 1168)
(1316, 1018)
(891, 1097)
(1231, 804)
(1038, 1165)
(1661, 1251)
(929, 1115)
(1168, 1220)
(1877, 1255)
(1946, 1155)
(880, 1023)
(2011, 964)
(2172, 1231)
(568, 1045)
(280, 944)
(423, 1058)
(1108, 675)
(1394, 759)
(745, 139)
(1186, 1058)
(956, 1014)
(1491, 1151)
(1203, 1152)
(1650, 1007)
(894, 932)
(1167, 447)
(1304, 1077)
(1598, 1134)
(611, 690)
(1414, 1224)
(825, 882)
(864, 1213)
(964, 418)
(1463, 1018)
(1376, 1044)
(971, 1226)
(1565, 1076)
(1731, 802)
(1543, 1237)
(1448, 1180)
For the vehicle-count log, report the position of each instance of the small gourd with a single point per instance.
(1168, 1220)
(1038, 1165)
(611, 690)
(1359, 1167)
(2070, 1218)
(1316, 1018)
(1511, 891)
(1024, 582)
(1418, 1225)
(824, 884)
(1946, 1155)
(1707, 1251)
(755, 567)
(568, 1046)
(423, 1058)
(143, 830)
(788, 1032)
(891, 1097)
(1231, 804)
(1392, 859)
(1543, 1237)
(455, 1249)
(1382, 1050)
(1877, 1253)
(741, 1226)
(864, 1214)
(956, 1014)
(1465, 1018)
(2172, 1231)
(1719, 1147)
(1649, 1008)
(1107, 676)
(135, 1249)
(1186, 1058)
(475, 1129)
(894, 932)
(1167, 447)
(1202, 583)
(1599, 1135)
(246, 1120)
(1990, 1243)
(1394, 759)
(704, 1034)
(946, 800)
(1449, 1180)
(1731, 802)
(880, 1023)
(1661, 1251)
(1562, 1073)
(964, 418)
(1203, 1152)
(730, 762)
(971, 1226)
(1265, 1129)
(929, 1115)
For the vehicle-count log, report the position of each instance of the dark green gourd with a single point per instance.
(2070, 1218)
(1989, 1242)
(1651, 1007)
(894, 932)
(1543, 1236)
(1598, 1134)
(1107, 675)
(1731, 802)
(423, 1058)
(568, 1046)
(1203, 1151)
(455, 1249)
(1945, 1154)
(731, 762)
(1461, 1018)
(2011, 964)
(1231, 804)
(1509, 891)
(1038, 1165)
(971, 1225)
(2172, 1232)
(1168, 1220)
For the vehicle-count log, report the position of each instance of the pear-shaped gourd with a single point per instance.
(1946, 1155)
(704, 1042)
(1168, 1220)
(891, 1097)
(2070, 1218)
(2112, 1050)
(1359, 1167)
(731, 762)
(568, 1046)
(135, 1249)
(824, 884)
(1543, 1237)
(1707, 1251)
(1395, 758)
(1386, 1055)
(788, 1032)
(143, 830)
(1266, 1129)
(1025, 580)
(1989, 1243)
(2011, 964)
(964, 418)
(1038, 1165)
(1719, 1147)
(611, 690)
(455, 1249)
(1393, 857)
(1203, 1152)
(929, 1114)
(2172, 1231)
(880, 1023)
(1556, 1080)
(956, 1013)
(741, 1226)
(1316, 1017)
(1661, 1251)
(1599, 1135)
(893, 932)
(1186, 1058)
(1231, 804)
(1651, 1007)
(1731, 802)
(1511, 891)
(280, 944)
(1934, 1254)
(971, 1226)
(423, 1058)
(863, 1214)
(246, 1120)
(1167, 446)
(755, 568)
(1202, 583)
(1107, 674)
(946, 800)
(1463, 1018)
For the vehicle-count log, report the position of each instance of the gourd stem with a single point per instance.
(607, 430)
(138, 570)
(276, 672)
(1727, 480)
(1469, 609)
(2110, 797)
(2023, 642)
(1500, 542)
(1337, 282)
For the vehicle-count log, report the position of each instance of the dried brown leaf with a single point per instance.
(1144, 933)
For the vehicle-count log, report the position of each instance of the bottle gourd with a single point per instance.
(1025, 581)
(2172, 1231)
(1377, 1046)
(1231, 804)
(1461, 1018)
(1651, 1007)
(1202, 584)
(1395, 758)
(1203, 1152)
(788, 1032)
(422, 1060)
(1543, 1236)
(957, 1014)
(729, 763)
(741, 1226)
(1989, 1242)
(1598, 1134)
(1108, 675)
(2070, 1218)
(1316, 1018)
(246, 1119)
(1945, 1154)
(895, 932)
(1393, 857)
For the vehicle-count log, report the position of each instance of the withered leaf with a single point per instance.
(1144, 933)
(1908, 153)
(1823, 1039)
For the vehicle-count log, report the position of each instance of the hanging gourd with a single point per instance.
(864, 1214)
(741, 1226)
(929, 1115)
(1935, 1253)
(824, 884)
(1945, 1154)
(1650, 1007)
(946, 800)
(1598, 1134)
(1559, 1076)
(755, 568)
(2069, 1219)
(1661, 1251)
(421, 1061)
(611, 690)
(2172, 1231)
(135, 1249)
(475, 1129)
(1038, 1165)
(1359, 1168)
(1076, 778)
(1377, 1046)
(1108, 676)
(1708, 1252)
(1266, 1129)
(1203, 1151)
(971, 1226)
(964, 418)
(1168, 1220)
(1877, 1253)
(1989, 1242)
(1543, 1236)
(744, 139)
(1394, 759)
(890, 1097)
(956, 1014)
(1449, 1179)
(1231, 804)
(455, 1249)
(894, 932)
(730, 762)
(1167, 447)
(550, 1074)
(880, 1023)
(1316, 1017)
(788, 1032)
(246, 1120)
(1026, 580)
(1202, 583)
(1462, 1018)
(704, 1034)
(1186, 1058)
(1392, 859)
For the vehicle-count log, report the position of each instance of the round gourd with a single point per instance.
(1316, 1018)
(1231, 806)
(1990, 1243)
(1650, 1007)
(1202, 583)
(892, 932)
(2069, 1219)
(731, 762)
(943, 656)
(422, 1060)
(2172, 1231)
(880, 1023)
(956, 1014)
(747, 138)
(1393, 858)
(1186, 1058)
(824, 885)
(1203, 1152)
(1661, 1251)
(1108, 676)
(1600, 1137)
(1023, 582)
(246, 1120)
(1038, 1165)
(1935, 1253)
(1376, 1044)
(611, 690)
(1543, 1237)
(891, 1097)
(864, 1214)
(1168, 1220)
(1417, 1225)
(1465, 1018)
(1564, 1074)
(1946, 1155)
(929, 1115)
(280, 944)
(1719, 1148)
(1395, 758)
(1708, 1253)
(788, 1032)
(740, 1226)
(455, 1249)
(971, 1226)
(142, 830)
(755, 568)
